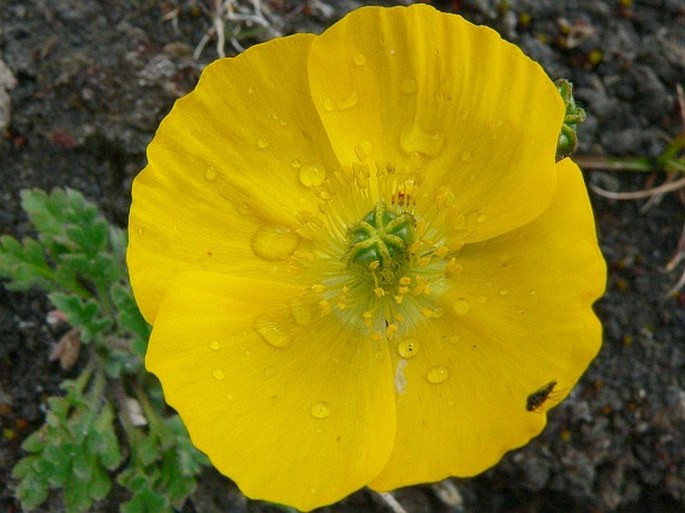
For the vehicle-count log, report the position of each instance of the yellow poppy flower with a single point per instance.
(360, 260)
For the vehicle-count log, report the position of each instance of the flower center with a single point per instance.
(379, 245)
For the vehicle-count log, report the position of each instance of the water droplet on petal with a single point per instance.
(210, 174)
(302, 314)
(461, 306)
(437, 374)
(359, 59)
(230, 397)
(320, 410)
(415, 139)
(466, 156)
(274, 242)
(141, 231)
(408, 348)
(328, 105)
(312, 175)
(272, 333)
(218, 374)
(481, 218)
(214, 345)
(409, 86)
(349, 102)
(262, 142)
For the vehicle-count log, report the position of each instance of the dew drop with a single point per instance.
(481, 218)
(230, 397)
(210, 174)
(415, 139)
(302, 314)
(359, 59)
(461, 306)
(141, 231)
(328, 105)
(312, 175)
(272, 333)
(218, 374)
(408, 348)
(320, 410)
(466, 156)
(349, 102)
(214, 345)
(408, 86)
(437, 374)
(274, 242)
(262, 142)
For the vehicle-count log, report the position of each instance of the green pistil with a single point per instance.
(383, 236)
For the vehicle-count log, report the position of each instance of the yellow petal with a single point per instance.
(292, 406)
(518, 319)
(233, 170)
(432, 92)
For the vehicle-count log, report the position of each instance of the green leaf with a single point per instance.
(130, 318)
(25, 265)
(82, 314)
(33, 489)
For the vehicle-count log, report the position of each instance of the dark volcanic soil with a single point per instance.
(88, 82)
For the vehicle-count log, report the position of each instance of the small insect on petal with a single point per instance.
(535, 400)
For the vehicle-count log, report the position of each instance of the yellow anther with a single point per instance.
(456, 245)
(374, 265)
(391, 330)
(367, 319)
(402, 290)
(318, 288)
(452, 267)
(405, 280)
(441, 251)
(379, 291)
(399, 299)
(325, 307)
(424, 260)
